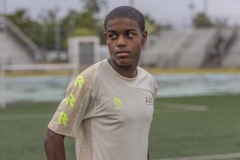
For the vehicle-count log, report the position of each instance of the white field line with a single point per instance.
(184, 106)
(207, 157)
(11, 117)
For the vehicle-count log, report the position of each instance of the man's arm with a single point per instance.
(54, 146)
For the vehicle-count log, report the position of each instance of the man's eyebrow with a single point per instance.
(112, 31)
(127, 30)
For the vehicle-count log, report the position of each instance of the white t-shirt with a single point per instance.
(108, 114)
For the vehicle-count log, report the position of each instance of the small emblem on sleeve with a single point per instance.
(149, 100)
(70, 100)
(118, 103)
(79, 81)
(63, 118)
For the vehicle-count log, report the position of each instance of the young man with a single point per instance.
(108, 108)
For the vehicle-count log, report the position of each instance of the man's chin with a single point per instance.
(123, 63)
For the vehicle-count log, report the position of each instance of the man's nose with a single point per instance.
(121, 41)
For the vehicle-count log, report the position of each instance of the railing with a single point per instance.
(227, 42)
(22, 38)
(218, 46)
(212, 42)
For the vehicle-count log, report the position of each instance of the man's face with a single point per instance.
(124, 40)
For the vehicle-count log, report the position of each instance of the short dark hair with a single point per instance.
(126, 12)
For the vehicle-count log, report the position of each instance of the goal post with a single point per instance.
(2, 88)
(7, 71)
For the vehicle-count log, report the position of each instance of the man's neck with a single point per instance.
(129, 71)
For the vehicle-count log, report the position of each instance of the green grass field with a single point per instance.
(182, 127)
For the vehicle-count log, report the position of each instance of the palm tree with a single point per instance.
(94, 5)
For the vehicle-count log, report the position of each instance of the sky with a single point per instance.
(174, 12)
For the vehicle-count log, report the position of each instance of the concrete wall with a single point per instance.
(169, 49)
(11, 52)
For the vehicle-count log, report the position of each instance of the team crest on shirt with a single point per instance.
(149, 100)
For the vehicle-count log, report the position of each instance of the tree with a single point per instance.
(77, 24)
(20, 18)
(49, 22)
(94, 6)
(30, 27)
(202, 20)
(152, 26)
(74, 20)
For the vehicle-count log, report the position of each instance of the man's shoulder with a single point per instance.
(91, 71)
(93, 68)
(145, 72)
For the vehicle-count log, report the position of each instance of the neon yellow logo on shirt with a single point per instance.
(63, 118)
(118, 103)
(70, 100)
(79, 81)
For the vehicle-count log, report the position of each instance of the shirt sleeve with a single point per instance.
(72, 110)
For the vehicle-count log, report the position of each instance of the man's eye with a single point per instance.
(130, 35)
(112, 36)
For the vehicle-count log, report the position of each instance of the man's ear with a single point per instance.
(144, 37)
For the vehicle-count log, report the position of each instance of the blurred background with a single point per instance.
(207, 29)
(193, 51)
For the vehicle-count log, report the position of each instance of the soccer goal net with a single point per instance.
(34, 83)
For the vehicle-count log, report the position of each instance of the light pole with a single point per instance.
(57, 34)
(205, 6)
(131, 3)
(1, 12)
(4, 7)
(191, 11)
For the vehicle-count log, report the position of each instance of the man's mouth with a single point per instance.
(122, 53)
